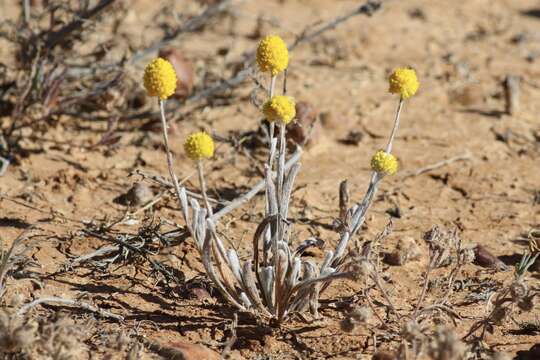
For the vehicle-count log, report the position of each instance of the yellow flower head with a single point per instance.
(160, 78)
(199, 146)
(384, 163)
(403, 81)
(280, 108)
(272, 55)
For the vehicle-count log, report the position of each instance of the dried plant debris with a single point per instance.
(13, 259)
(426, 327)
(516, 295)
(528, 328)
(62, 339)
(17, 333)
(45, 339)
(445, 344)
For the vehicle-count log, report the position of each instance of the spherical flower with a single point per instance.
(160, 78)
(199, 146)
(403, 81)
(384, 163)
(272, 55)
(280, 108)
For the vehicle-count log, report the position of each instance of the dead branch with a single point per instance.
(142, 251)
(232, 339)
(54, 299)
(99, 252)
(437, 165)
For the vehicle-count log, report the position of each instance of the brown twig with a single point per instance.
(343, 201)
(373, 309)
(437, 165)
(232, 339)
(424, 287)
(512, 94)
(389, 303)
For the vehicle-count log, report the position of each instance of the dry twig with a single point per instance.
(54, 299)
(437, 165)
(232, 339)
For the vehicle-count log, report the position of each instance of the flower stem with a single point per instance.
(271, 143)
(281, 163)
(280, 231)
(272, 89)
(202, 183)
(271, 92)
(395, 128)
(273, 236)
(165, 127)
(358, 216)
(285, 82)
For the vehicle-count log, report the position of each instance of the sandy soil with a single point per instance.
(462, 51)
